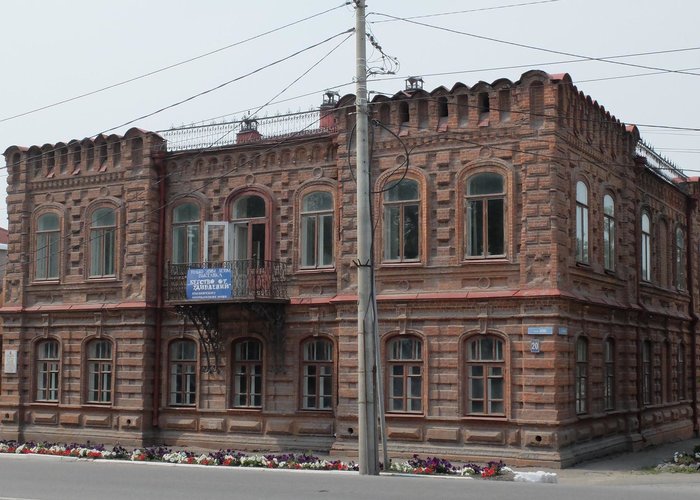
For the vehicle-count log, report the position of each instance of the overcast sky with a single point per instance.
(55, 50)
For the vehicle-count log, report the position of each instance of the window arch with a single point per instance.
(186, 229)
(402, 238)
(317, 236)
(99, 371)
(581, 222)
(485, 205)
(679, 245)
(247, 373)
(47, 247)
(405, 373)
(485, 365)
(47, 371)
(183, 373)
(609, 232)
(609, 374)
(581, 375)
(102, 237)
(317, 374)
(646, 247)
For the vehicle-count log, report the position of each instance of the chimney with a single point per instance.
(249, 131)
(330, 100)
(414, 83)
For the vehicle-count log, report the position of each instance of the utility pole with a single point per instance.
(366, 367)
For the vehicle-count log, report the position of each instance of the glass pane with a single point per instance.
(608, 205)
(179, 244)
(326, 240)
(496, 407)
(496, 227)
(53, 255)
(248, 207)
(487, 348)
(48, 222)
(42, 252)
(308, 243)
(475, 228)
(477, 388)
(496, 386)
(476, 407)
(410, 232)
(486, 183)
(189, 212)
(581, 193)
(317, 201)
(402, 190)
(391, 232)
(104, 217)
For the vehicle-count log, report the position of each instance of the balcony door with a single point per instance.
(249, 223)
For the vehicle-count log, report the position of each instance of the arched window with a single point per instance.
(485, 372)
(404, 116)
(609, 232)
(183, 373)
(680, 259)
(442, 108)
(663, 259)
(646, 247)
(186, 221)
(317, 375)
(317, 230)
(609, 374)
(249, 218)
(48, 237)
(485, 216)
(247, 374)
(581, 222)
(405, 387)
(581, 375)
(402, 221)
(99, 367)
(47, 373)
(103, 227)
(646, 372)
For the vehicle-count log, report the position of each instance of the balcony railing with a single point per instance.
(250, 280)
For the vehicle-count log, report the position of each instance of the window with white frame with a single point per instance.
(183, 373)
(646, 247)
(485, 216)
(47, 371)
(99, 364)
(317, 230)
(247, 374)
(103, 225)
(485, 371)
(581, 222)
(405, 367)
(317, 374)
(402, 221)
(609, 232)
(186, 228)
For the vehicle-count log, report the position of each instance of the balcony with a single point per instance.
(227, 281)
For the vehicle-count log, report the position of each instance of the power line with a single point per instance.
(171, 66)
(534, 47)
(464, 11)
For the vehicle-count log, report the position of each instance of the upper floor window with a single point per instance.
(609, 374)
(317, 230)
(646, 247)
(680, 259)
(646, 372)
(102, 242)
(186, 221)
(405, 360)
(581, 375)
(317, 375)
(183, 373)
(249, 219)
(581, 222)
(402, 221)
(485, 365)
(47, 364)
(247, 374)
(48, 235)
(99, 364)
(485, 217)
(609, 232)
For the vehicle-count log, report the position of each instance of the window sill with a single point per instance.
(485, 417)
(102, 279)
(315, 270)
(486, 260)
(182, 407)
(405, 415)
(405, 263)
(46, 282)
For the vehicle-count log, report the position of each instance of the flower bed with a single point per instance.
(229, 458)
(682, 462)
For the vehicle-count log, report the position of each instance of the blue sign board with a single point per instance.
(209, 283)
(540, 330)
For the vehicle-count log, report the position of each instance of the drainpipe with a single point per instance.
(691, 203)
(159, 158)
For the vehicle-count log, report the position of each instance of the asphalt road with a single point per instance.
(29, 477)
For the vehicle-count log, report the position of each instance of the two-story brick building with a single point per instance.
(536, 280)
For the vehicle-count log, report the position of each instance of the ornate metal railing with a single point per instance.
(226, 133)
(659, 164)
(250, 280)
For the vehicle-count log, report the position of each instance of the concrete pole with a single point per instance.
(366, 398)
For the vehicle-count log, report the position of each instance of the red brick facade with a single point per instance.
(515, 225)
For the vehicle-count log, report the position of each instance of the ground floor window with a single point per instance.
(485, 369)
(247, 374)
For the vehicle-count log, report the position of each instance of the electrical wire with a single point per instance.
(482, 9)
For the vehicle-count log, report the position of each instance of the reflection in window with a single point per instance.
(581, 223)
(183, 373)
(402, 221)
(317, 230)
(317, 375)
(102, 242)
(185, 234)
(47, 247)
(485, 218)
(609, 232)
(247, 374)
(405, 360)
(485, 366)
